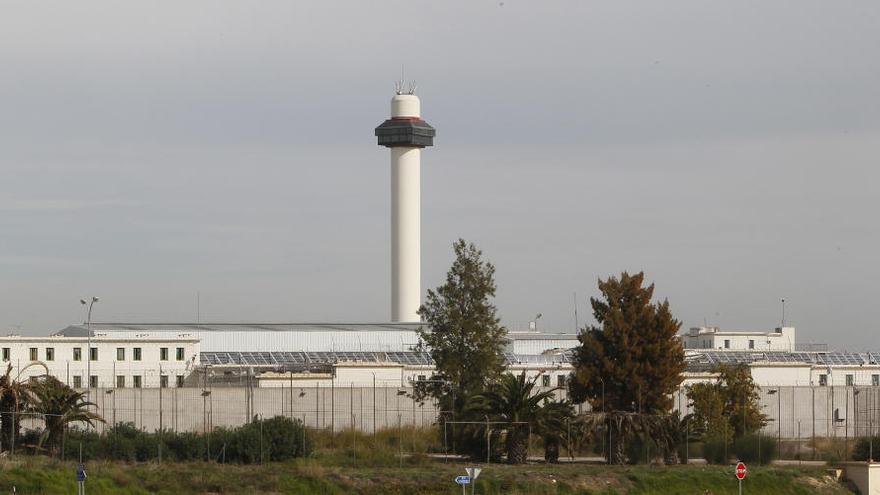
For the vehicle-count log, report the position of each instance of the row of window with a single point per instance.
(137, 381)
(136, 354)
(545, 380)
(850, 380)
(751, 344)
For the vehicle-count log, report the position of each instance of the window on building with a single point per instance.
(50, 354)
(6, 354)
(136, 381)
(875, 380)
(120, 353)
(545, 380)
(93, 354)
(849, 380)
(180, 354)
(163, 354)
(823, 380)
(560, 381)
(751, 344)
(93, 381)
(179, 382)
(727, 343)
(77, 353)
(77, 381)
(422, 378)
(136, 354)
(120, 381)
(163, 381)
(33, 354)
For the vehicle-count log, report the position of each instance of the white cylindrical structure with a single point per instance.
(406, 263)
(405, 133)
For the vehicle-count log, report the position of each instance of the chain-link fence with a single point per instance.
(798, 415)
(813, 412)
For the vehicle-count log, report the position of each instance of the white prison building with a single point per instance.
(780, 339)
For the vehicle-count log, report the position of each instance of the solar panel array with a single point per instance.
(837, 358)
(512, 358)
(282, 359)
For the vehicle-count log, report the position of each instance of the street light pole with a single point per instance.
(89, 344)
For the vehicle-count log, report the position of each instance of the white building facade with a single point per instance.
(146, 361)
(780, 339)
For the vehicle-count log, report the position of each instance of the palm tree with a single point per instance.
(15, 397)
(512, 400)
(674, 431)
(551, 425)
(618, 427)
(61, 406)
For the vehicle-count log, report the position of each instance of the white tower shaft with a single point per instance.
(405, 233)
(406, 134)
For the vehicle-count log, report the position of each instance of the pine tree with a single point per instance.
(463, 336)
(631, 362)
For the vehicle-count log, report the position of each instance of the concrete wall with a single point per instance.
(865, 476)
(805, 412)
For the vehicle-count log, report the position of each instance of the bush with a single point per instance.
(185, 446)
(866, 447)
(282, 438)
(715, 451)
(755, 448)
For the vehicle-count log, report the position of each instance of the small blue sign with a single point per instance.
(80, 472)
(463, 480)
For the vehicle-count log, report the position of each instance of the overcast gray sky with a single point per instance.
(151, 151)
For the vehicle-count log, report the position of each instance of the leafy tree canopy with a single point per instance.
(632, 355)
(463, 335)
(731, 404)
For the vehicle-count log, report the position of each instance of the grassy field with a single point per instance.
(33, 475)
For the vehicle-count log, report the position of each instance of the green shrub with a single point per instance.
(715, 451)
(185, 446)
(755, 448)
(274, 439)
(866, 447)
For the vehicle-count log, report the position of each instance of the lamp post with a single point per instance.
(90, 303)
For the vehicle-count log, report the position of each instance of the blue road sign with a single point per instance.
(80, 472)
(463, 480)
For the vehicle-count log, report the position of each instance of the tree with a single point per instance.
(708, 404)
(15, 397)
(552, 424)
(463, 335)
(631, 362)
(619, 427)
(673, 433)
(513, 401)
(731, 404)
(61, 406)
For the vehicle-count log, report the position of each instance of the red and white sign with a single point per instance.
(741, 470)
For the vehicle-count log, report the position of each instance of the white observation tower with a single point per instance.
(405, 133)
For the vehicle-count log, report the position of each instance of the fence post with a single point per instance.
(813, 397)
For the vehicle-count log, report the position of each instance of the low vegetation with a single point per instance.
(319, 475)
(275, 439)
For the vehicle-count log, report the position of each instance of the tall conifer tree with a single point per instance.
(632, 355)
(628, 366)
(463, 335)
